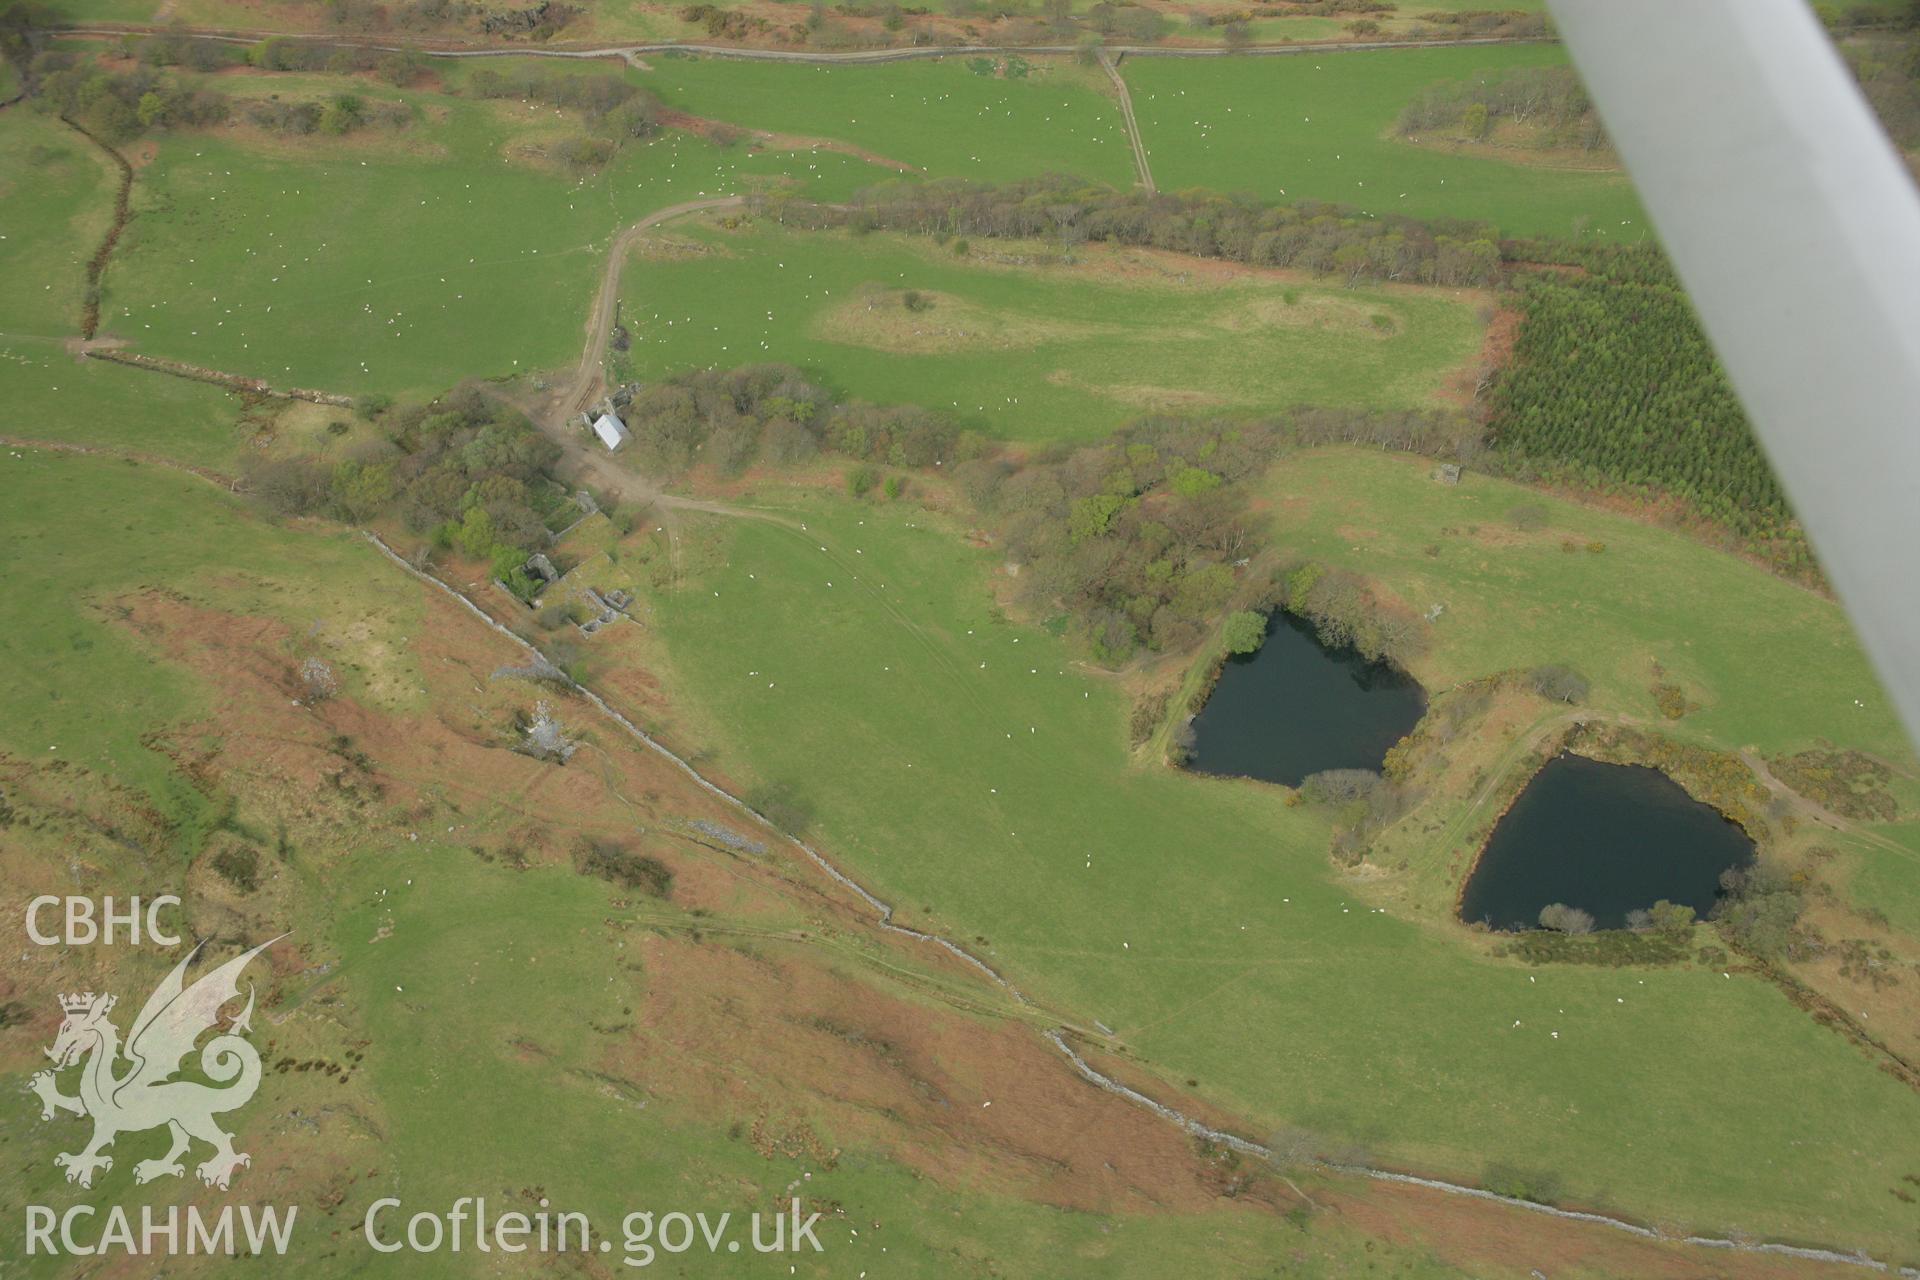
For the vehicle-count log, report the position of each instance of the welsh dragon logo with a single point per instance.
(145, 1095)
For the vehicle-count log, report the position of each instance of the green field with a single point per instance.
(465, 970)
(399, 265)
(490, 986)
(1034, 352)
(1764, 664)
(1316, 127)
(946, 116)
(51, 396)
(56, 198)
(1889, 882)
(970, 766)
(86, 530)
(1773, 665)
(113, 10)
(846, 665)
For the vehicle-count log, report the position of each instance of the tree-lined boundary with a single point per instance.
(241, 35)
(122, 211)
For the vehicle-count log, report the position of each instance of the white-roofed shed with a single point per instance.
(612, 432)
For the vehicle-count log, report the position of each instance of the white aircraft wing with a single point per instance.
(1796, 229)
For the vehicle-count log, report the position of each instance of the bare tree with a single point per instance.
(1565, 919)
(1294, 1149)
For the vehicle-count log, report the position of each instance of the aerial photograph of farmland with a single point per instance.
(954, 638)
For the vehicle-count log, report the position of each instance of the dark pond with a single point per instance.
(1607, 838)
(1295, 707)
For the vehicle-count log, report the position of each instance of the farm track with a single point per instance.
(218, 479)
(1108, 65)
(1819, 813)
(589, 383)
(589, 377)
(883, 912)
(589, 465)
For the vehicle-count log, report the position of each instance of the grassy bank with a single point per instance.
(1021, 341)
(967, 767)
(1318, 127)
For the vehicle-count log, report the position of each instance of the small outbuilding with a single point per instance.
(612, 432)
(538, 566)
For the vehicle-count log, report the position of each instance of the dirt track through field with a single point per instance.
(219, 479)
(588, 463)
(1108, 65)
(589, 379)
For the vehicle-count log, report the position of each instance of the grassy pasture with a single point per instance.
(946, 116)
(115, 10)
(1890, 883)
(1035, 352)
(86, 530)
(56, 199)
(489, 988)
(52, 396)
(1764, 664)
(484, 962)
(361, 266)
(1314, 126)
(970, 770)
(1772, 665)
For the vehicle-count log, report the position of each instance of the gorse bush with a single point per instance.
(621, 866)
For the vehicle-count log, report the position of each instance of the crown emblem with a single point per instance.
(145, 1095)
